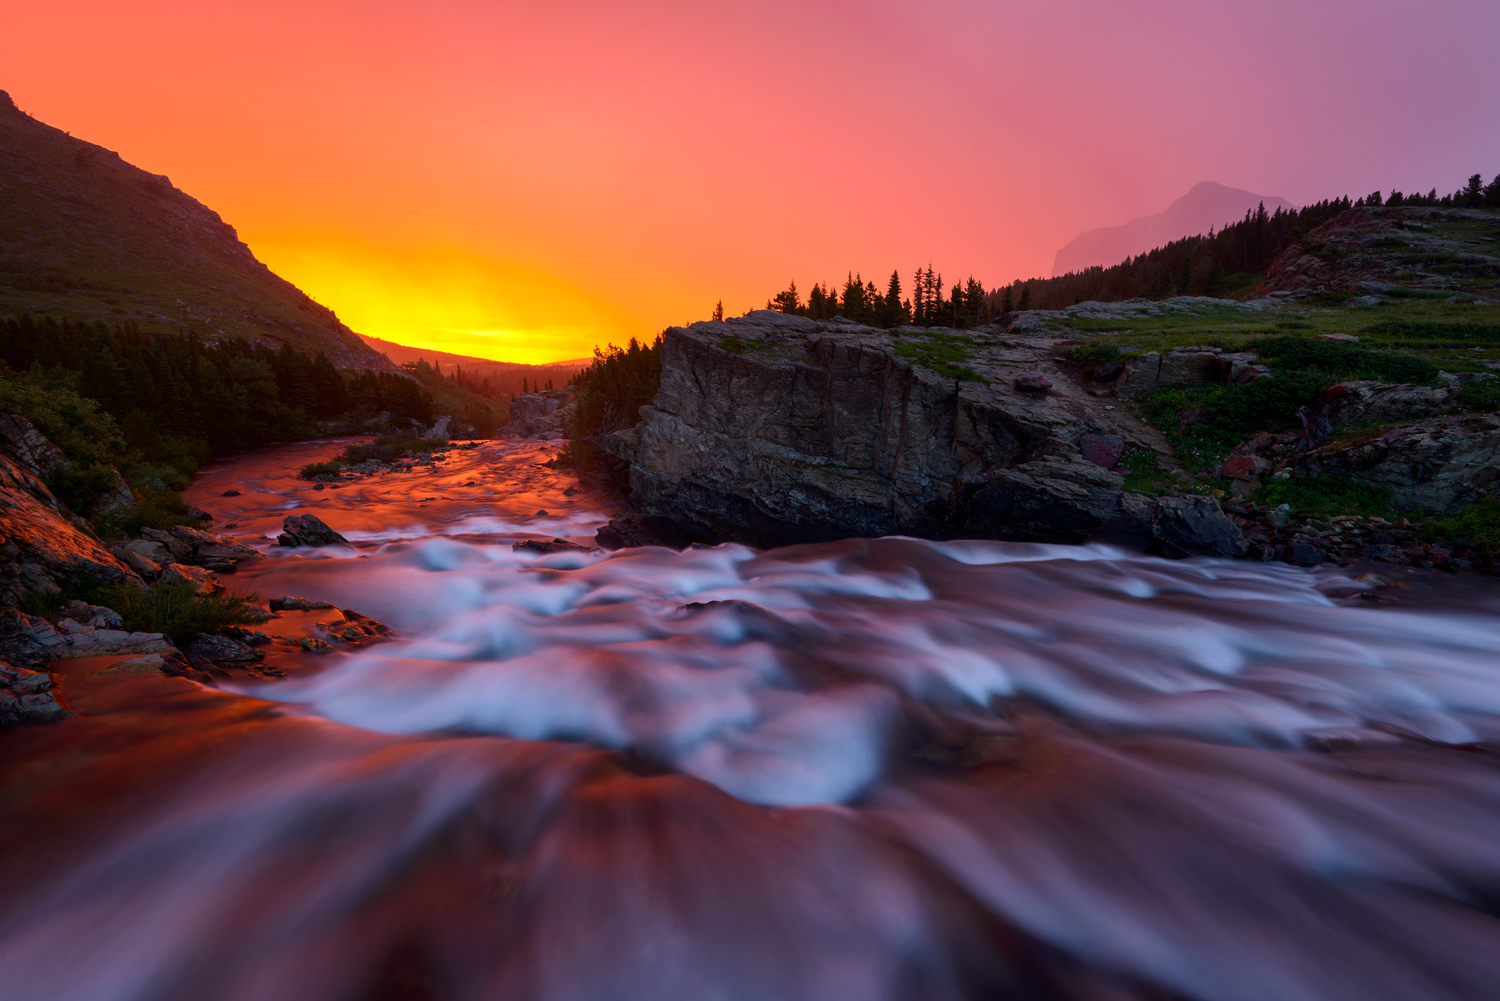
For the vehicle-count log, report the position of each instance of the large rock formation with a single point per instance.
(774, 429)
(41, 546)
(1438, 464)
(543, 416)
(85, 235)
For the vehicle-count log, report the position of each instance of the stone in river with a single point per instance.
(308, 530)
(555, 546)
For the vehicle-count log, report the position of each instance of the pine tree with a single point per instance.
(1025, 298)
(719, 310)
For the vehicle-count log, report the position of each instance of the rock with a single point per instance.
(1362, 300)
(633, 531)
(807, 432)
(148, 569)
(289, 604)
(42, 708)
(212, 552)
(32, 450)
(1102, 449)
(356, 630)
(1385, 551)
(541, 416)
(198, 514)
(180, 550)
(28, 639)
(1358, 402)
(27, 682)
(1302, 550)
(1146, 373)
(314, 645)
(203, 582)
(1196, 524)
(555, 546)
(230, 493)
(1437, 464)
(1244, 467)
(1340, 338)
(1032, 384)
(117, 500)
(93, 615)
(308, 530)
(208, 650)
(41, 550)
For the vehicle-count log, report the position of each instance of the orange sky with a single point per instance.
(523, 181)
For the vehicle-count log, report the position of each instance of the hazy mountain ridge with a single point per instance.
(85, 235)
(1206, 206)
(402, 353)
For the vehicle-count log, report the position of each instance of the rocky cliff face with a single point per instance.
(775, 429)
(85, 235)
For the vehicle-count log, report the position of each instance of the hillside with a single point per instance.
(503, 378)
(85, 235)
(1206, 206)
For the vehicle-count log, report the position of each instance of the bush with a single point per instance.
(1477, 525)
(1341, 362)
(1325, 495)
(1483, 396)
(312, 469)
(392, 446)
(179, 610)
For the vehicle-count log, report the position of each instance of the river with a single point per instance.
(870, 769)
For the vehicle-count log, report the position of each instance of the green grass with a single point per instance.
(942, 353)
(331, 468)
(392, 446)
(1322, 496)
(736, 345)
(1146, 475)
(1482, 396)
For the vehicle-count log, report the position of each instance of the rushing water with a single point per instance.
(868, 769)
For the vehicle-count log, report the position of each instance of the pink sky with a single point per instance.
(524, 180)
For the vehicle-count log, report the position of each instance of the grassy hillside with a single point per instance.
(86, 236)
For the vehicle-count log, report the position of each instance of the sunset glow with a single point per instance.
(525, 182)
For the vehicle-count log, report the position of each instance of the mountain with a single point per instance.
(402, 353)
(86, 236)
(1206, 205)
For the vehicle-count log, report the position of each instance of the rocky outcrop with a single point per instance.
(773, 429)
(1351, 403)
(27, 696)
(1438, 464)
(21, 441)
(544, 416)
(1145, 373)
(41, 548)
(1370, 250)
(308, 530)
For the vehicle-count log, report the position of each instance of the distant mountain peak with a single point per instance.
(1207, 205)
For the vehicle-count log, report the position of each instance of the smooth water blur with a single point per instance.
(868, 769)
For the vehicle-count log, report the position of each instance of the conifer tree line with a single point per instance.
(1215, 264)
(508, 382)
(178, 399)
(611, 392)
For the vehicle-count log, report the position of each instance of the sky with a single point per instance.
(524, 181)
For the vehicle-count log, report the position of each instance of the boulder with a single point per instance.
(1102, 449)
(208, 650)
(32, 450)
(290, 604)
(1357, 402)
(204, 582)
(541, 416)
(1145, 373)
(308, 530)
(1437, 464)
(178, 550)
(1196, 524)
(93, 615)
(555, 546)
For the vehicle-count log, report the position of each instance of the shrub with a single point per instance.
(179, 611)
(1325, 495)
(391, 446)
(1483, 396)
(1477, 525)
(1339, 362)
(321, 469)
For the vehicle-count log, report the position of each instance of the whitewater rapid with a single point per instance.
(866, 769)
